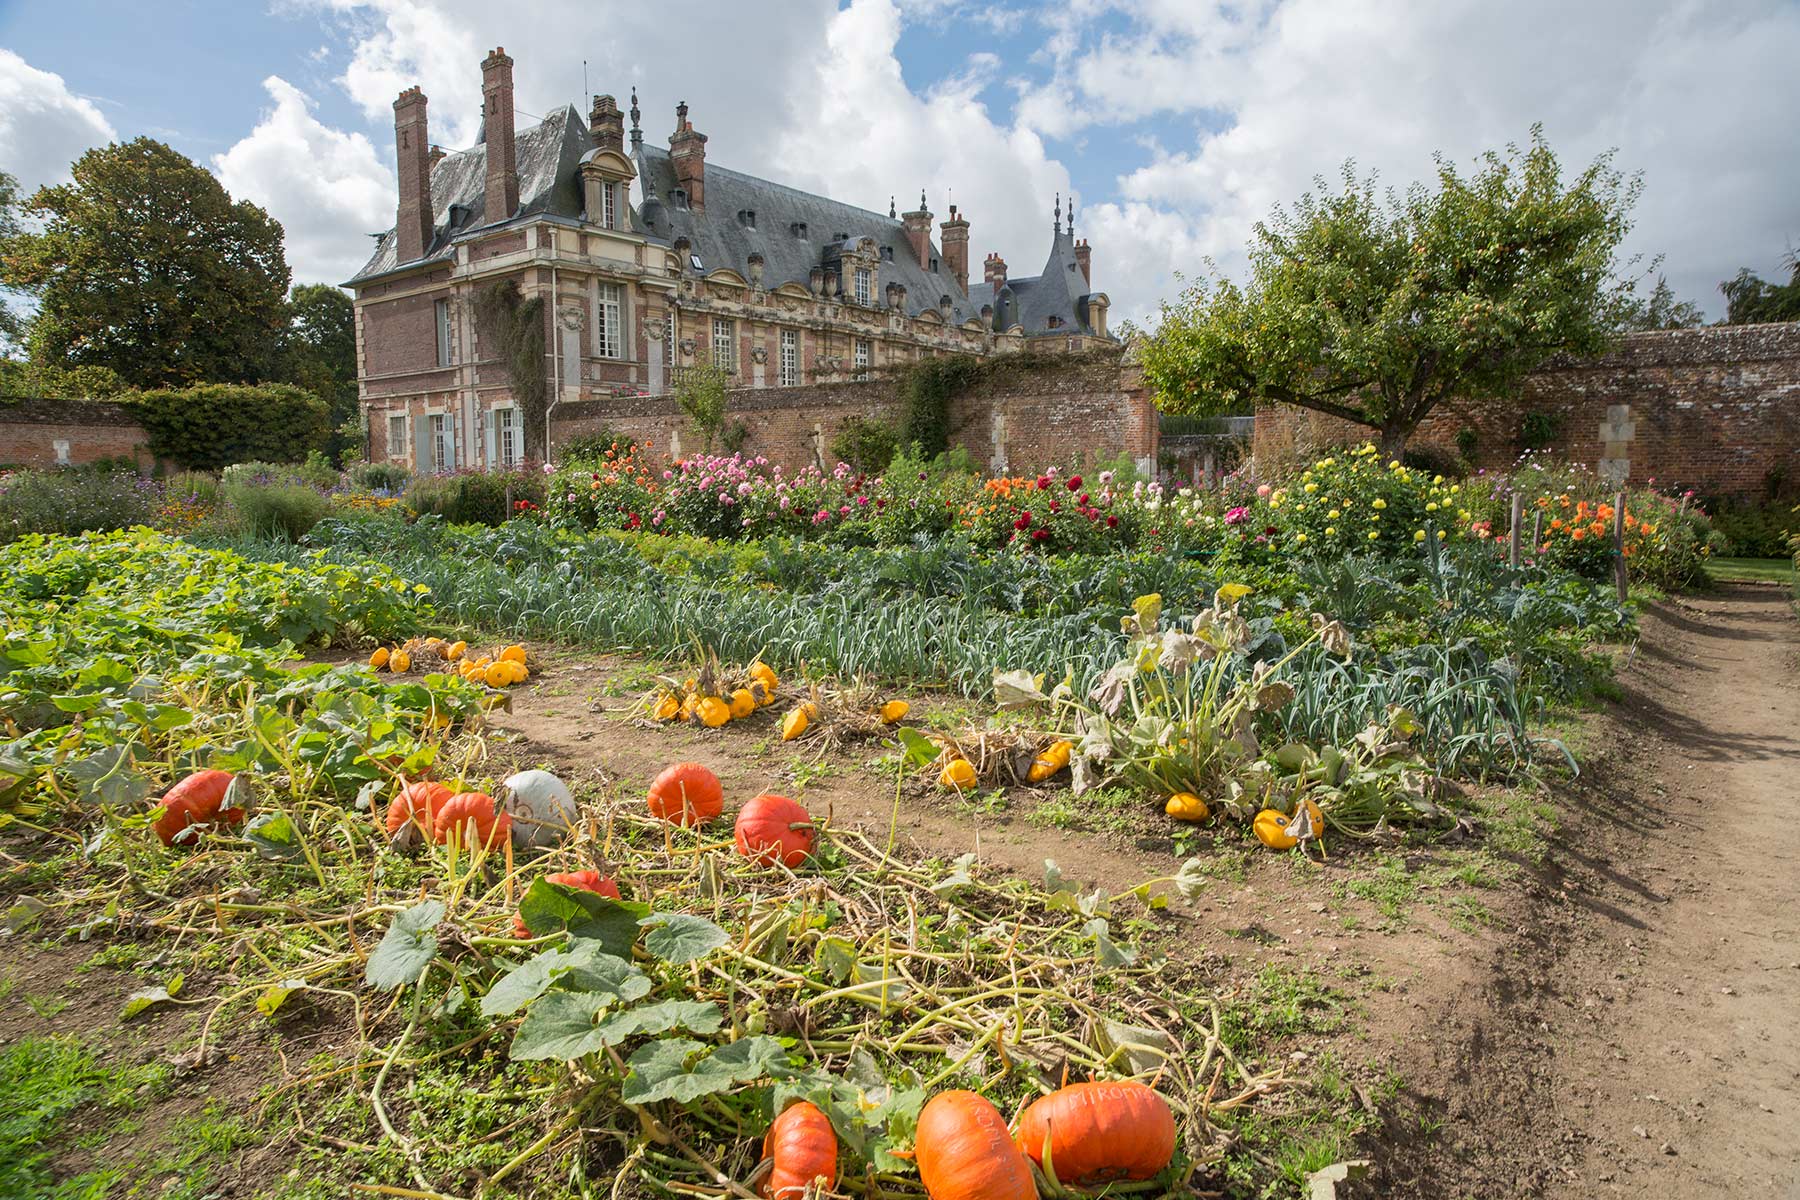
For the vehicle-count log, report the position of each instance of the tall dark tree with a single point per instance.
(10, 321)
(1376, 312)
(319, 353)
(145, 265)
(1751, 300)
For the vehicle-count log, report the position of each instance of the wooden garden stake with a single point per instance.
(1619, 544)
(1537, 532)
(1518, 519)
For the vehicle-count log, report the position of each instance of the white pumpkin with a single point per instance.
(541, 808)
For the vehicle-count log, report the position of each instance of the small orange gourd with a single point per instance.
(773, 829)
(964, 1152)
(801, 1147)
(687, 794)
(1100, 1131)
(1271, 826)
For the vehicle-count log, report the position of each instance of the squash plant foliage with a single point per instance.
(132, 656)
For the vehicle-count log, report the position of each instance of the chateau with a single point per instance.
(695, 264)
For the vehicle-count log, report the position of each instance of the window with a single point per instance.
(862, 358)
(443, 333)
(609, 215)
(790, 358)
(865, 286)
(396, 443)
(443, 442)
(610, 325)
(669, 340)
(507, 436)
(724, 350)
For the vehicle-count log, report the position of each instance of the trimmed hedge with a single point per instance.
(214, 425)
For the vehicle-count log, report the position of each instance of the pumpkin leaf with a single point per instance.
(583, 966)
(1191, 879)
(143, 998)
(106, 777)
(1107, 952)
(24, 914)
(1144, 1050)
(680, 937)
(272, 835)
(695, 1016)
(407, 948)
(915, 748)
(525, 983)
(837, 956)
(560, 1026)
(275, 995)
(684, 1070)
(548, 907)
(958, 877)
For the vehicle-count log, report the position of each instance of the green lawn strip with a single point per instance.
(1751, 570)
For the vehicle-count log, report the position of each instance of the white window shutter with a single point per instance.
(422, 446)
(493, 458)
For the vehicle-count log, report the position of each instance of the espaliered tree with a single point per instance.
(1376, 309)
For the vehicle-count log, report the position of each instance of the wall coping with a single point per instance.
(49, 410)
(1721, 345)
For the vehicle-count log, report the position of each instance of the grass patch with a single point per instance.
(1751, 570)
(44, 1080)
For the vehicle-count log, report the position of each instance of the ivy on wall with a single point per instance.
(515, 326)
(926, 389)
(212, 425)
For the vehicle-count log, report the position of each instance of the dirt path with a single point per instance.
(1638, 1034)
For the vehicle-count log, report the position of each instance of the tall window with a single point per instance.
(396, 443)
(790, 358)
(863, 351)
(443, 442)
(669, 340)
(724, 344)
(609, 213)
(609, 330)
(865, 286)
(443, 333)
(507, 436)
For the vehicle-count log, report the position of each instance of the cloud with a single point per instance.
(1278, 93)
(43, 126)
(327, 188)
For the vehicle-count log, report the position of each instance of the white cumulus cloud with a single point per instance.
(328, 188)
(43, 126)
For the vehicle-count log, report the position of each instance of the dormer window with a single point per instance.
(798, 229)
(1055, 322)
(887, 254)
(865, 286)
(934, 264)
(679, 198)
(747, 218)
(694, 262)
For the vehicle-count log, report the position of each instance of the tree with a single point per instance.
(701, 393)
(1660, 310)
(10, 322)
(1750, 300)
(1377, 312)
(144, 264)
(319, 352)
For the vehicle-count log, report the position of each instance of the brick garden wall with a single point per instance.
(48, 433)
(1024, 414)
(1716, 409)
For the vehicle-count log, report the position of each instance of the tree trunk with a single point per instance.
(1393, 440)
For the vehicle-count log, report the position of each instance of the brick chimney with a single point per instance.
(502, 196)
(412, 149)
(918, 232)
(606, 125)
(956, 248)
(994, 272)
(1081, 259)
(687, 153)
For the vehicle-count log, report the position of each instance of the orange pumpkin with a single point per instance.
(417, 805)
(196, 800)
(687, 794)
(587, 881)
(774, 829)
(471, 817)
(964, 1152)
(801, 1147)
(1100, 1131)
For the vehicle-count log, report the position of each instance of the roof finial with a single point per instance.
(1058, 218)
(1071, 214)
(893, 210)
(637, 134)
(922, 204)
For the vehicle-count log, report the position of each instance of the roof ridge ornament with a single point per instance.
(1057, 219)
(637, 134)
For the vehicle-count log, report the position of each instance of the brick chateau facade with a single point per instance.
(649, 261)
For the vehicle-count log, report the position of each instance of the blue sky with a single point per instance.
(1177, 122)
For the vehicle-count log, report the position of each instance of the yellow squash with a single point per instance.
(1185, 806)
(1049, 761)
(399, 662)
(742, 704)
(1271, 827)
(712, 712)
(797, 719)
(958, 773)
(893, 710)
(667, 707)
(514, 654)
(379, 659)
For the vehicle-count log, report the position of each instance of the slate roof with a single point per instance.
(720, 239)
(1060, 291)
(548, 155)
